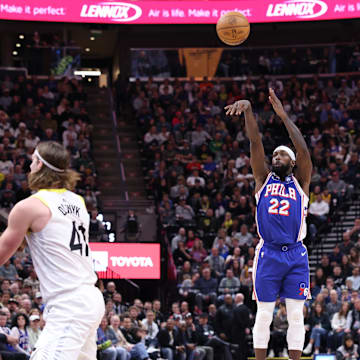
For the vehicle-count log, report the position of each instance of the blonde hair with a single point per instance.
(46, 178)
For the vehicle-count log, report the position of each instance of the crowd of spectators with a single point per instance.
(31, 111)
(254, 61)
(145, 330)
(295, 60)
(197, 168)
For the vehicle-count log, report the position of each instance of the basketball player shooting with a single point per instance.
(281, 266)
(55, 222)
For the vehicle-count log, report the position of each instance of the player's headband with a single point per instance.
(52, 167)
(287, 150)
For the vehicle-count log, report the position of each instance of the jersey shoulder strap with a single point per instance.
(258, 194)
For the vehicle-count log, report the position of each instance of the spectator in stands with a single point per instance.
(19, 330)
(117, 338)
(318, 211)
(245, 238)
(8, 271)
(181, 254)
(228, 285)
(354, 232)
(207, 287)
(320, 324)
(151, 328)
(337, 187)
(216, 262)
(135, 336)
(184, 211)
(354, 279)
(110, 290)
(349, 350)
(96, 228)
(171, 342)
(334, 305)
(339, 324)
(119, 306)
(197, 252)
(132, 226)
(224, 318)
(9, 343)
(278, 335)
(181, 236)
(105, 346)
(347, 244)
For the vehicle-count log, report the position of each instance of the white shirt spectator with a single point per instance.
(339, 322)
(355, 280)
(176, 239)
(67, 135)
(152, 329)
(184, 211)
(190, 181)
(319, 208)
(31, 143)
(241, 161)
(6, 166)
(244, 239)
(149, 137)
(163, 86)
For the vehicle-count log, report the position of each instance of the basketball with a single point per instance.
(233, 28)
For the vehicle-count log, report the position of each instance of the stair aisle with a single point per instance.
(117, 160)
(328, 241)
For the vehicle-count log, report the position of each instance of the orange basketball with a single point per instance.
(233, 28)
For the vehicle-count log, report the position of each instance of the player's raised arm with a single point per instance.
(303, 158)
(257, 154)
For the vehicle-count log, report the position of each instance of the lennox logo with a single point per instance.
(116, 11)
(304, 9)
(135, 261)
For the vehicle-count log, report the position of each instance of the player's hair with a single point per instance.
(46, 178)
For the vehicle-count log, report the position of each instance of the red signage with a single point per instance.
(126, 261)
(176, 12)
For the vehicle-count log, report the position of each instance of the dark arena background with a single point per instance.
(135, 90)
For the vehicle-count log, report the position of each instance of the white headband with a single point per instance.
(287, 150)
(52, 167)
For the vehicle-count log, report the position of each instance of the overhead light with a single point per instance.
(18, 45)
(87, 72)
(21, 36)
(89, 80)
(92, 38)
(14, 52)
(87, 49)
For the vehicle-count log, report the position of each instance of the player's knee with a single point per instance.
(264, 318)
(296, 317)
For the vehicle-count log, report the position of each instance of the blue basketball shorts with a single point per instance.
(281, 270)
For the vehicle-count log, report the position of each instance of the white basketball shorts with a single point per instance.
(72, 320)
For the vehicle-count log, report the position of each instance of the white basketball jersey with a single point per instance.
(60, 251)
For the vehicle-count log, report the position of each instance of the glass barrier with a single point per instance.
(49, 60)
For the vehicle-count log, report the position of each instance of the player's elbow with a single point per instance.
(9, 243)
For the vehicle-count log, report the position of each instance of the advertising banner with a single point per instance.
(126, 260)
(176, 12)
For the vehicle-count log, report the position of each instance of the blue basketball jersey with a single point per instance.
(281, 210)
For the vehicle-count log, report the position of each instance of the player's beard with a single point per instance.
(281, 170)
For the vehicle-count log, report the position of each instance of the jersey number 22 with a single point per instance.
(279, 208)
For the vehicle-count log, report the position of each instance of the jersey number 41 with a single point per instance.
(78, 239)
